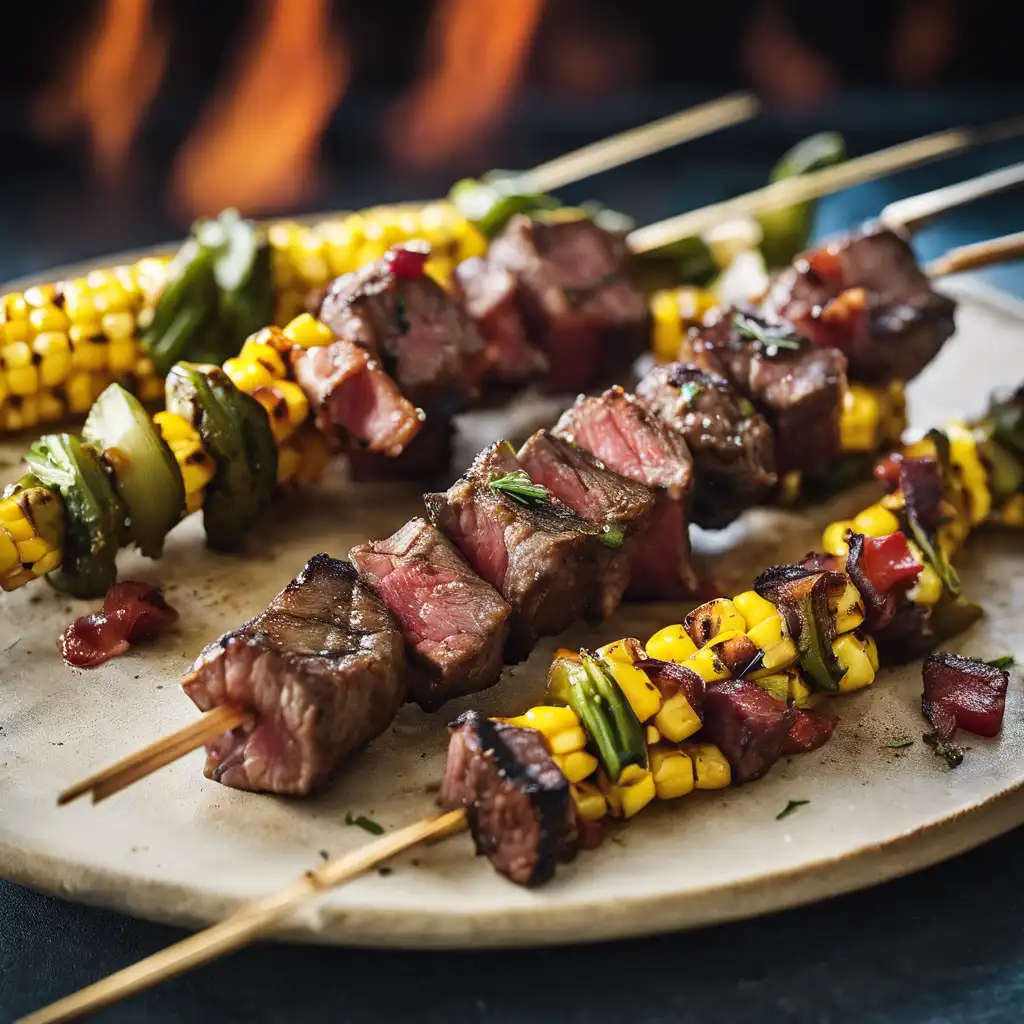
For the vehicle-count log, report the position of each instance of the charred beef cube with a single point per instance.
(733, 447)
(963, 693)
(576, 297)
(455, 624)
(353, 397)
(748, 725)
(516, 798)
(866, 295)
(322, 670)
(810, 730)
(630, 440)
(797, 386)
(426, 458)
(488, 294)
(583, 483)
(418, 332)
(539, 555)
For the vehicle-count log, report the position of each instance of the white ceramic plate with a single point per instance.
(181, 849)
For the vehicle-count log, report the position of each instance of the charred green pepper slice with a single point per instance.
(615, 733)
(95, 515)
(492, 201)
(236, 432)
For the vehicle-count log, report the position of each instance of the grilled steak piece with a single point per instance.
(322, 669)
(353, 397)
(488, 294)
(421, 335)
(540, 556)
(426, 458)
(748, 725)
(576, 297)
(866, 295)
(583, 483)
(797, 386)
(733, 447)
(517, 800)
(630, 440)
(455, 624)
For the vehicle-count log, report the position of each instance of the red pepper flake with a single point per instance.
(407, 263)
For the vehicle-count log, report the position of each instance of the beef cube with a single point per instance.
(323, 671)
(520, 810)
(963, 693)
(629, 439)
(576, 297)
(796, 385)
(426, 458)
(488, 294)
(455, 624)
(733, 447)
(748, 725)
(539, 555)
(866, 295)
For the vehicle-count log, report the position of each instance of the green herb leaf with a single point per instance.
(790, 808)
(949, 752)
(367, 824)
(518, 486)
(900, 745)
(612, 537)
(746, 407)
(690, 390)
(753, 331)
(1006, 661)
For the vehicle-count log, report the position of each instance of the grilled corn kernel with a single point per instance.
(833, 539)
(48, 318)
(118, 326)
(315, 452)
(711, 770)
(194, 462)
(672, 643)
(560, 728)
(672, 771)
(576, 766)
(643, 696)
(22, 376)
(860, 422)
(289, 462)
(963, 454)
(589, 800)
(651, 735)
(754, 608)
(19, 413)
(776, 684)
(799, 692)
(9, 560)
(778, 651)
(88, 347)
(849, 608)
(667, 325)
(54, 353)
(308, 332)
(875, 521)
(247, 376)
(712, 619)
(52, 408)
(676, 720)
(707, 664)
(871, 649)
(264, 355)
(851, 652)
(32, 520)
(627, 799)
(928, 588)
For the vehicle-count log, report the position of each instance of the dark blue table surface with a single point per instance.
(945, 945)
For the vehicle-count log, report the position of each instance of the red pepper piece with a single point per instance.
(407, 264)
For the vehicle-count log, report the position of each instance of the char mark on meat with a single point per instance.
(733, 447)
(866, 295)
(796, 385)
(576, 298)
(322, 670)
(517, 800)
(631, 440)
(455, 624)
(542, 557)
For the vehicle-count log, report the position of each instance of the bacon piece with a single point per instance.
(963, 693)
(810, 730)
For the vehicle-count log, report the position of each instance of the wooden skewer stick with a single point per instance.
(816, 184)
(914, 212)
(157, 754)
(642, 141)
(245, 925)
(979, 254)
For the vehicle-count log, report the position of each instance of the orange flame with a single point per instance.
(475, 54)
(108, 86)
(255, 146)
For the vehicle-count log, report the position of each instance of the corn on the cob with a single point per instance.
(31, 533)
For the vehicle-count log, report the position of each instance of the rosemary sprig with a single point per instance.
(753, 331)
(790, 808)
(1006, 661)
(689, 391)
(612, 537)
(519, 487)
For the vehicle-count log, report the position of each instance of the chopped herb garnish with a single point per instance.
(518, 486)
(753, 331)
(367, 824)
(900, 745)
(1006, 661)
(790, 808)
(612, 538)
(324, 855)
(746, 407)
(618, 840)
(385, 871)
(949, 752)
(690, 390)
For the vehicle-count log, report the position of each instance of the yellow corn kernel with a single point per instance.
(122, 355)
(643, 696)
(776, 684)
(1012, 512)
(18, 362)
(40, 295)
(754, 608)
(51, 407)
(48, 318)
(799, 692)
(78, 302)
(194, 462)
(4, 390)
(9, 559)
(173, 427)
(927, 589)
(711, 770)
(289, 462)
(651, 735)
(247, 376)
(871, 649)
(860, 419)
(631, 773)
(265, 355)
(589, 800)
(13, 307)
(88, 347)
(32, 550)
(308, 332)
(673, 773)
(54, 352)
(849, 609)
(22, 413)
(626, 800)
(118, 326)
(770, 637)
(667, 325)
(712, 619)
(672, 643)
(79, 392)
(850, 651)
(676, 720)
(576, 766)
(559, 726)
(875, 521)
(963, 454)
(833, 539)
(707, 664)
(316, 454)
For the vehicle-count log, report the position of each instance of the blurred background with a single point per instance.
(124, 119)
